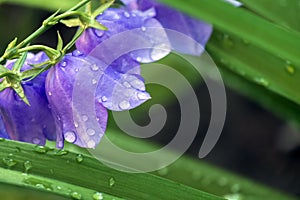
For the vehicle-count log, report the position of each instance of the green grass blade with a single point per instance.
(200, 175)
(285, 13)
(51, 170)
(50, 5)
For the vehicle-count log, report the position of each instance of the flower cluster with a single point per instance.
(118, 84)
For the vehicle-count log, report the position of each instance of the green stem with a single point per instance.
(49, 22)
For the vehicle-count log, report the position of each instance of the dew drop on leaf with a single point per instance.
(98, 196)
(76, 195)
(41, 149)
(111, 182)
(289, 68)
(27, 165)
(9, 162)
(79, 158)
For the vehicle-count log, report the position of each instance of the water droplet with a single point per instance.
(79, 158)
(27, 165)
(124, 105)
(77, 53)
(143, 96)
(63, 64)
(70, 136)
(233, 197)
(289, 68)
(61, 152)
(98, 196)
(84, 118)
(227, 41)
(16, 86)
(138, 84)
(222, 182)
(50, 93)
(9, 162)
(90, 132)
(127, 14)
(76, 195)
(111, 182)
(261, 81)
(76, 125)
(99, 33)
(143, 28)
(126, 84)
(104, 99)
(94, 81)
(95, 67)
(160, 51)
(235, 188)
(58, 187)
(41, 149)
(139, 59)
(36, 140)
(91, 144)
(77, 70)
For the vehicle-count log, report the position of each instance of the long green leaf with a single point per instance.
(69, 174)
(51, 5)
(286, 13)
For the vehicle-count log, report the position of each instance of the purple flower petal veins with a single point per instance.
(176, 21)
(33, 124)
(73, 125)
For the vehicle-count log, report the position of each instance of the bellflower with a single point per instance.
(33, 124)
(114, 90)
(176, 21)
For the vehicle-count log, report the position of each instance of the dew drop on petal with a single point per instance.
(127, 14)
(143, 28)
(91, 144)
(143, 96)
(50, 93)
(138, 84)
(126, 84)
(36, 140)
(124, 105)
(94, 81)
(84, 118)
(104, 99)
(94, 67)
(63, 64)
(76, 125)
(90, 132)
(70, 136)
(99, 33)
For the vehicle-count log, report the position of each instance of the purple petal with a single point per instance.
(3, 133)
(74, 120)
(177, 21)
(120, 92)
(121, 20)
(28, 123)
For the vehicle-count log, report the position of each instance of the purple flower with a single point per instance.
(176, 21)
(77, 77)
(33, 124)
